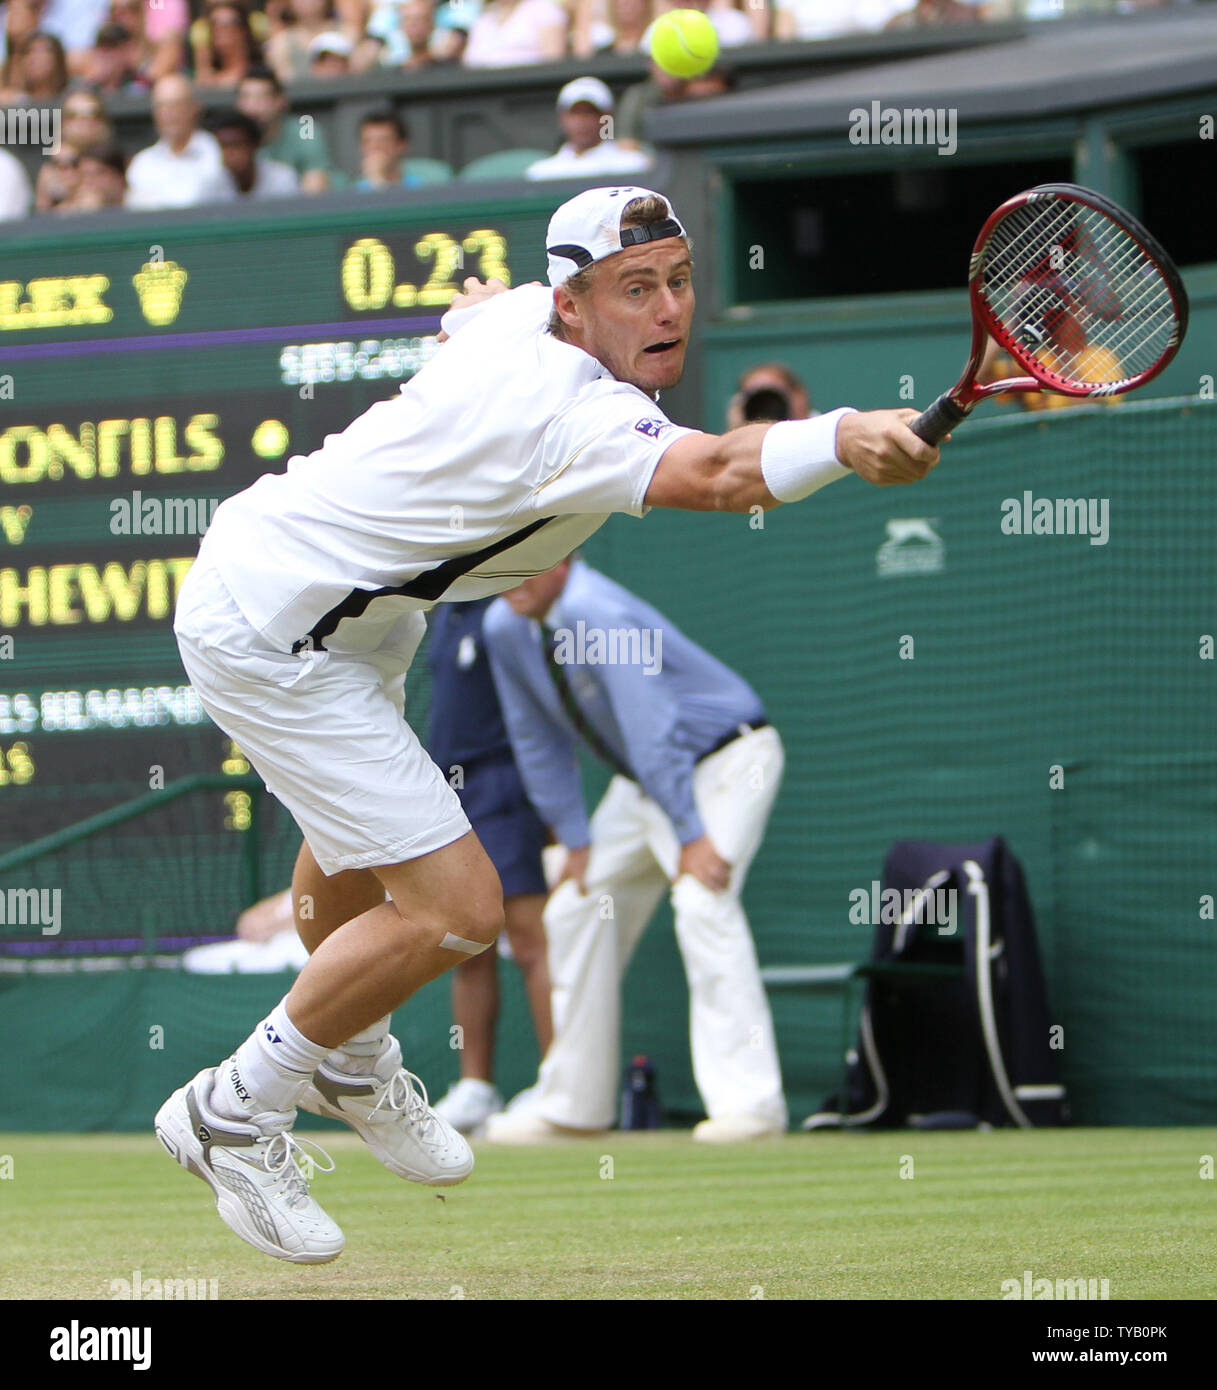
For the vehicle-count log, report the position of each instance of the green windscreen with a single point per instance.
(1022, 645)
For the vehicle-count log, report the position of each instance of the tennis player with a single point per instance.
(298, 622)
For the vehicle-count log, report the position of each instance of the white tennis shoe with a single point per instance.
(252, 1168)
(390, 1112)
(733, 1129)
(468, 1104)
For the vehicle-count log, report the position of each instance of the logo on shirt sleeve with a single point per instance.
(653, 428)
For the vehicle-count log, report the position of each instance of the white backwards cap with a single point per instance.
(588, 228)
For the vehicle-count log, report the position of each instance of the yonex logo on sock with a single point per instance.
(271, 1034)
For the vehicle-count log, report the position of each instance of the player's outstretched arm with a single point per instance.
(763, 465)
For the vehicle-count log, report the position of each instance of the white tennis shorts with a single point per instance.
(325, 731)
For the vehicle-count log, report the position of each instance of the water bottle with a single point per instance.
(639, 1097)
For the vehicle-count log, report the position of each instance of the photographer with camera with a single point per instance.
(768, 392)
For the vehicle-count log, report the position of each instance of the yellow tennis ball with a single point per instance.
(683, 43)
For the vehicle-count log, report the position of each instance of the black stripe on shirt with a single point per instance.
(429, 586)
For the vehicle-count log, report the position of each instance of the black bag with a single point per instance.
(955, 1026)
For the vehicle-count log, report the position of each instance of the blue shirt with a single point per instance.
(408, 180)
(466, 721)
(656, 699)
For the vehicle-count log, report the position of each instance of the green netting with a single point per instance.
(1034, 660)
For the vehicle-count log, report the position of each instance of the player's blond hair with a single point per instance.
(639, 212)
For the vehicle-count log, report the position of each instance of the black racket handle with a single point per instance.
(935, 424)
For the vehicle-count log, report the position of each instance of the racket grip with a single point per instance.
(934, 424)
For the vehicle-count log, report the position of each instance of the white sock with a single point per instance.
(269, 1071)
(358, 1055)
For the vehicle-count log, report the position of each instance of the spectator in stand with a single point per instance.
(274, 18)
(15, 191)
(255, 175)
(102, 181)
(384, 145)
(416, 21)
(111, 64)
(329, 55)
(18, 20)
(730, 24)
(831, 19)
(183, 168)
(353, 17)
(660, 89)
(998, 365)
(715, 83)
(408, 33)
(585, 113)
(36, 72)
(232, 51)
(260, 26)
(610, 26)
(300, 144)
(452, 25)
(84, 124)
(925, 12)
(57, 181)
(760, 16)
(75, 24)
(167, 19)
(287, 51)
(151, 58)
(511, 32)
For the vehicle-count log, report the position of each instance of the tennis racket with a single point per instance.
(1077, 292)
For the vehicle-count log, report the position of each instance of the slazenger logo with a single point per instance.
(912, 547)
(652, 428)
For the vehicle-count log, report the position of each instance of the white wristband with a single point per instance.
(800, 456)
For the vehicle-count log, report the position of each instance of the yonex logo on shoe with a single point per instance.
(204, 1134)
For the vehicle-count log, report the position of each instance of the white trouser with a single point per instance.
(634, 857)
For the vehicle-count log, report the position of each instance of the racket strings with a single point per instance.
(1076, 293)
(1091, 284)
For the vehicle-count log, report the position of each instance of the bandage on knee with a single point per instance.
(458, 943)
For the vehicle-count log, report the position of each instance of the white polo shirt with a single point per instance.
(274, 179)
(504, 453)
(605, 157)
(159, 178)
(16, 194)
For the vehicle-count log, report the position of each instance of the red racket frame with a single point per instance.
(953, 406)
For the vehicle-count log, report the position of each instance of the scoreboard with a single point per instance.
(148, 371)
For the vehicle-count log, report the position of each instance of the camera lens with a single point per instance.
(766, 404)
